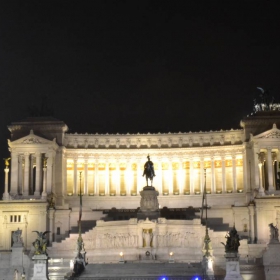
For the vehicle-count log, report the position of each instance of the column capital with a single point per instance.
(26, 154)
(38, 154)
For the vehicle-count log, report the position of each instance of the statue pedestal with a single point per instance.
(207, 264)
(149, 207)
(271, 261)
(17, 255)
(40, 267)
(232, 267)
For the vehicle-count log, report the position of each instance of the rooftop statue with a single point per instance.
(40, 244)
(232, 243)
(7, 163)
(264, 104)
(149, 171)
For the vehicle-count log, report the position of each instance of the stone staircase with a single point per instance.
(216, 224)
(85, 226)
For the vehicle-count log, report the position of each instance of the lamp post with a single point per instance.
(207, 262)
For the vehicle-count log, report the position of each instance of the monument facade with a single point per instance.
(42, 182)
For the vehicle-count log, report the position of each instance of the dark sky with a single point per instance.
(129, 66)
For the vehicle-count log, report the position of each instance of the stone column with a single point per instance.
(128, 177)
(261, 188)
(65, 191)
(274, 169)
(31, 174)
(20, 175)
(245, 172)
(191, 176)
(118, 183)
(49, 173)
(170, 170)
(107, 186)
(86, 177)
(26, 174)
(181, 183)
(38, 174)
(252, 222)
(256, 164)
(159, 177)
(201, 175)
(96, 189)
(269, 169)
(234, 173)
(14, 173)
(223, 174)
(51, 223)
(6, 194)
(139, 175)
(213, 187)
(75, 177)
(44, 193)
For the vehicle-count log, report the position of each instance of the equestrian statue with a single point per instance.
(149, 171)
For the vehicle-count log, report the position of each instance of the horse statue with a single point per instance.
(149, 171)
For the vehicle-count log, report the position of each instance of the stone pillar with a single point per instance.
(128, 177)
(14, 173)
(191, 176)
(201, 175)
(252, 222)
(232, 267)
(75, 177)
(261, 189)
(170, 171)
(181, 177)
(96, 189)
(257, 171)
(26, 174)
(6, 195)
(51, 225)
(49, 173)
(44, 193)
(274, 169)
(234, 173)
(213, 187)
(20, 175)
(269, 170)
(107, 186)
(31, 175)
(86, 177)
(118, 178)
(271, 261)
(139, 176)
(223, 174)
(159, 177)
(38, 174)
(40, 267)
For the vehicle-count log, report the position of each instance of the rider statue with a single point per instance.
(149, 171)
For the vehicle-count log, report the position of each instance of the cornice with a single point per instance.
(165, 140)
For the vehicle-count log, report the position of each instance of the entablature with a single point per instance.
(157, 154)
(160, 140)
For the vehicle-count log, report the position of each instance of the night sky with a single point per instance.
(137, 66)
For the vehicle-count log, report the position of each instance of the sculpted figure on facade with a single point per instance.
(40, 244)
(147, 236)
(17, 239)
(274, 233)
(232, 243)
